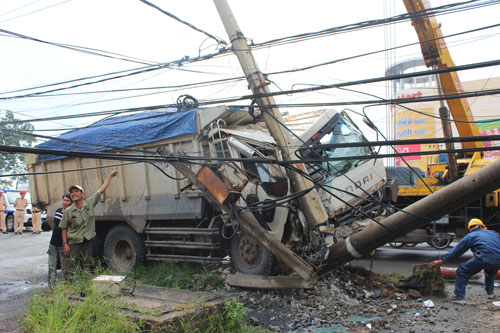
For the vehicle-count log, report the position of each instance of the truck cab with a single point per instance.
(352, 187)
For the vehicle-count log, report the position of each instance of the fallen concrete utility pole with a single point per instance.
(420, 213)
(310, 203)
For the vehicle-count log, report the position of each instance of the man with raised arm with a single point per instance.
(78, 227)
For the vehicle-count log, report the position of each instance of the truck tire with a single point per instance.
(249, 256)
(123, 249)
(440, 241)
(46, 226)
(396, 245)
(9, 223)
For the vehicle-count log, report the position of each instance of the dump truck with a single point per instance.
(152, 211)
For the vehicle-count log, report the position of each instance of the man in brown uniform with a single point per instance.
(78, 227)
(3, 207)
(20, 205)
(36, 218)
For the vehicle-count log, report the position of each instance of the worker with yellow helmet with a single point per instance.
(485, 245)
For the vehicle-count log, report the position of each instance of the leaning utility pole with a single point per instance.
(310, 203)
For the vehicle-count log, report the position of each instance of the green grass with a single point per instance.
(56, 310)
(230, 320)
(390, 280)
(186, 276)
(177, 276)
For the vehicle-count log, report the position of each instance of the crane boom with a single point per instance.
(436, 54)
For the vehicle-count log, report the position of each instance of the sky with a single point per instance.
(131, 28)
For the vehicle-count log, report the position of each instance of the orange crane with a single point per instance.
(438, 175)
(436, 55)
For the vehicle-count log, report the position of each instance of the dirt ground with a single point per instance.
(342, 304)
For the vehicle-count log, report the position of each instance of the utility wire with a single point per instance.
(362, 102)
(140, 71)
(317, 65)
(63, 171)
(434, 11)
(75, 80)
(316, 146)
(378, 51)
(195, 159)
(203, 83)
(32, 12)
(324, 87)
(217, 39)
(309, 67)
(186, 85)
(82, 49)
(16, 9)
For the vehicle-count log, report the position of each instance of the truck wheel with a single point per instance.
(123, 249)
(249, 256)
(46, 226)
(441, 241)
(396, 245)
(9, 222)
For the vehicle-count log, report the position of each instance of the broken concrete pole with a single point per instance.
(420, 213)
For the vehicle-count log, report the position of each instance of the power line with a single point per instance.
(323, 87)
(178, 63)
(82, 49)
(397, 101)
(187, 85)
(378, 51)
(203, 83)
(32, 12)
(16, 9)
(217, 39)
(460, 139)
(74, 80)
(336, 28)
(141, 71)
(63, 171)
(182, 158)
(282, 72)
(450, 8)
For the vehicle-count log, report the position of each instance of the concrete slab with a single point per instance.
(159, 307)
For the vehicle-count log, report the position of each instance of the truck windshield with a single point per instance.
(342, 133)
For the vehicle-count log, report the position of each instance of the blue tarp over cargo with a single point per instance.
(124, 131)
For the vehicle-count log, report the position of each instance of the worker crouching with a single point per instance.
(485, 245)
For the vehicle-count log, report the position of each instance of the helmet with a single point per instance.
(476, 222)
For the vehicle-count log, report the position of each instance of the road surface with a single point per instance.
(23, 269)
(388, 260)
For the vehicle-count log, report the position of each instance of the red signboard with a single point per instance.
(408, 149)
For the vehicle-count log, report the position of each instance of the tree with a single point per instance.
(13, 133)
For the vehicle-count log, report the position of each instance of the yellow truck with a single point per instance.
(453, 166)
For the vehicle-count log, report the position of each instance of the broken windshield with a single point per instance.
(342, 133)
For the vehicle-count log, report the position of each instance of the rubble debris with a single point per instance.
(425, 280)
(346, 300)
(429, 303)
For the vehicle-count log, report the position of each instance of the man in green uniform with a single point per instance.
(78, 227)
